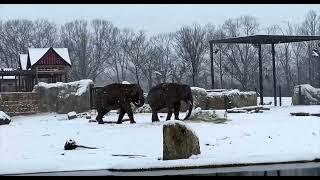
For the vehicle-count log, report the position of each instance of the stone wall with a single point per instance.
(19, 103)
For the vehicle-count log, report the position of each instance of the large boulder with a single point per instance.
(64, 97)
(179, 141)
(305, 94)
(4, 118)
(214, 116)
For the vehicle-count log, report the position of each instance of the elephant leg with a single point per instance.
(121, 114)
(169, 113)
(127, 109)
(155, 116)
(101, 113)
(176, 110)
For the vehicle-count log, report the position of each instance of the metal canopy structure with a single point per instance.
(257, 40)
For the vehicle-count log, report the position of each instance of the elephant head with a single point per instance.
(186, 95)
(137, 95)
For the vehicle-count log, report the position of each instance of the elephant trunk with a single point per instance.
(190, 103)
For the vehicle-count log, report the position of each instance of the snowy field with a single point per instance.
(35, 143)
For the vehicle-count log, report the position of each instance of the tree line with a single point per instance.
(105, 53)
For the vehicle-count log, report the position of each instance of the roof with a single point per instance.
(23, 61)
(266, 39)
(35, 54)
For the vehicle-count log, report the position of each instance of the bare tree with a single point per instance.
(191, 47)
(44, 34)
(15, 38)
(241, 58)
(310, 27)
(137, 53)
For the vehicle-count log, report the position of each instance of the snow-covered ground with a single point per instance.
(35, 143)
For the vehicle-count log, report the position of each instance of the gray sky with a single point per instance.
(158, 18)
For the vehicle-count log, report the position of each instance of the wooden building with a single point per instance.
(48, 65)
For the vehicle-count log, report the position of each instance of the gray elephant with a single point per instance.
(169, 95)
(118, 96)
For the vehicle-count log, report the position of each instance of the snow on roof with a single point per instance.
(63, 52)
(23, 60)
(4, 116)
(36, 53)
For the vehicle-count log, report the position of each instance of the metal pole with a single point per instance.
(274, 75)
(212, 70)
(220, 71)
(260, 75)
(280, 97)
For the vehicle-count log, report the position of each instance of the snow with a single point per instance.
(4, 116)
(125, 82)
(231, 92)
(34, 143)
(36, 53)
(158, 73)
(24, 60)
(82, 85)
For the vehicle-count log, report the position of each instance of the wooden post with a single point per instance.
(260, 75)
(19, 83)
(15, 83)
(274, 76)
(37, 80)
(1, 83)
(212, 70)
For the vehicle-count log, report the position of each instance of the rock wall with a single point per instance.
(64, 97)
(19, 103)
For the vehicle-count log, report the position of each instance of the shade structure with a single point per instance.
(258, 40)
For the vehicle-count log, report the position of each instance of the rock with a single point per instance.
(88, 116)
(64, 97)
(179, 141)
(72, 115)
(4, 118)
(215, 116)
(309, 95)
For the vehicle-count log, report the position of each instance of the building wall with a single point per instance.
(8, 85)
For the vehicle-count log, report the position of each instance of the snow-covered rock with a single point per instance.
(4, 118)
(179, 141)
(64, 97)
(72, 115)
(217, 98)
(215, 116)
(309, 95)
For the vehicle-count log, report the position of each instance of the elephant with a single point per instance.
(169, 95)
(118, 96)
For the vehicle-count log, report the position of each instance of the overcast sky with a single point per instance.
(159, 18)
